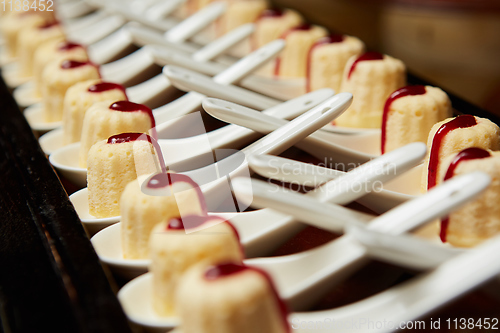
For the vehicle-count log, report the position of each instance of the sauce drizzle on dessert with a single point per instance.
(164, 179)
(130, 137)
(106, 86)
(70, 64)
(462, 121)
(365, 57)
(402, 92)
(300, 27)
(67, 46)
(271, 12)
(126, 106)
(48, 25)
(465, 155)
(330, 39)
(226, 269)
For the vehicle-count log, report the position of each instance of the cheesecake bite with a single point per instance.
(80, 97)
(371, 78)
(105, 119)
(148, 201)
(11, 25)
(272, 24)
(479, 219)
(327, 59)
(239, 13)
(409, 114)
(30, 38)
(292, 62)
(451, 136)
(57, 77)
(55, 49)
(178, 244)
(231, 297)
(112, 164)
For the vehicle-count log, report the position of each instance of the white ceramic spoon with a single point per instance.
(404, 250)
(215, 179)
(103, 49)
(135, 296)
(264, 230)
(416, 298)
(302, 278)
(323, 145)
(73, 9)
(189, 80)
(135, 67)
(339, 151)
(309, 175)
(169, 120)
(65, 160)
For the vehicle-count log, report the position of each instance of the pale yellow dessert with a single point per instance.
(55, 49)
(79, 98)
(30, 38)
(229, 297)
(479, 219)
(410, 113)
(112, 164)
(105, 119)
(239, 13)
(327, 59)
(273, 23)
(57, 77)
(11, 25)
(471, 132)
(371, 78)
(148, 201)
(292, 62)
(174, 249)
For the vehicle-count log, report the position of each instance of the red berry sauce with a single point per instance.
(130, 137)
(330, 39)
(462, 121)
(227, 269)
(106, 86)
(465, 155)
(365, 57)
(401, 92)
(164, 179)
(126, 106)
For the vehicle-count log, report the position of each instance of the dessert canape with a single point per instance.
(327, 59)
(231, 297)
(30, 39)
(409, 114)
(57, 77)
(239, 13)
(478, 220)
(79, 98)
(105, 119)
(56, 49)
(371, 78)
(272, 24)
(11, 25)
(451, 136)
(175, 247)
(292, 62)
(148, 201)
(112, 164)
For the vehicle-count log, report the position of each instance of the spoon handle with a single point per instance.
(222, 44)
(402, 250)
(250, 63)
(436, 203)
(303, 208)
(195, 23)
(162, 9)
(302, 126)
